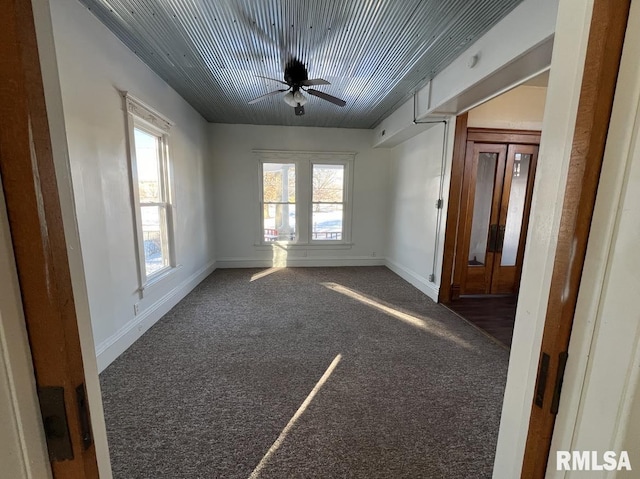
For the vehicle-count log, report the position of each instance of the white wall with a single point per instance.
(516, 48)
(519, 109)
(528, 25)
(93, 66)
(236, 199)
(413, 218)
(415, 183)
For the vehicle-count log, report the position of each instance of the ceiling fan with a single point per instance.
(297, 80)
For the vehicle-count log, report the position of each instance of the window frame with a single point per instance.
(142, 117)
(263, 203)
(304, 161)
(346, 211)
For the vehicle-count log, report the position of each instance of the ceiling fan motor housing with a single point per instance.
(297, 79)
(295, 73)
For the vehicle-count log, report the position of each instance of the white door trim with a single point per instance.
(23, 450)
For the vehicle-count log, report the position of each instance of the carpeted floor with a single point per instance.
(413, 392)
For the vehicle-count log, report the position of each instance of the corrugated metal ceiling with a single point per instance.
(375, 53)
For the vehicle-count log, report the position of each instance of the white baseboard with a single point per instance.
(223, 263)
(420, 282)
(109, 349)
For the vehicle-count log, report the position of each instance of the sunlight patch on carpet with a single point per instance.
(409, 319)
(264, 273)
(303, 407)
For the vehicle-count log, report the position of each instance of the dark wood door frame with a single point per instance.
(453, 208)
(37, 234)
(463, 136)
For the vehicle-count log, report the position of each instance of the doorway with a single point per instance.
(495, 177)
(496, 199)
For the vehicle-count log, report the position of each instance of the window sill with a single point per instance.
(158, 279)
(300, 246)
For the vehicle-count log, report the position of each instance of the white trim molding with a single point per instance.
(420, 282)
(109, 349)
(229, 263)
(145, 112)
(290, 156)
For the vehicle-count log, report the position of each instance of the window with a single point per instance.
(279, 201)
(304, 197)
(327, 211)
(151, 186)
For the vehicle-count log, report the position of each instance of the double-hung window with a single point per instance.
(151, 187)
(305, 197)
(279, 201)
(327, 201)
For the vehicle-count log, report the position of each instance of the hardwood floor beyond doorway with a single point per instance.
(493, 314)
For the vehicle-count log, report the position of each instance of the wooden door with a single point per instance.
(28, 181)
(482, 189)
(497, 187)
(513, 219)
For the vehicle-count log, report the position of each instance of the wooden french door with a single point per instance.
(496, 192)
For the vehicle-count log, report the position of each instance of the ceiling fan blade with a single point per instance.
(325, 96)
(315, 81)
(273, 79)
(266, 95)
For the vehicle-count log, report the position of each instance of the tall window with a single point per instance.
(279, 201)
(327, 212)
(151, 186)
(153, 200)
(305, 197)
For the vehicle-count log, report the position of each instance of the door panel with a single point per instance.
(494, 216)
(514, 214)
(484, 186)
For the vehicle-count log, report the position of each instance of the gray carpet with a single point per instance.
(207, 391)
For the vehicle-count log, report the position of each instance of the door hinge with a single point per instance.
(562, 364)
(541, 382)
(85, 421)
(54, 420)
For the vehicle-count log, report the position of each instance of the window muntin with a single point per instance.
(327, 202)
